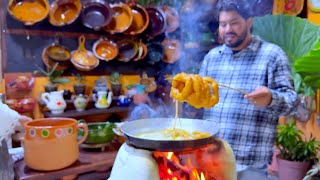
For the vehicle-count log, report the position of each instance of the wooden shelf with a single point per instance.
(93, 111)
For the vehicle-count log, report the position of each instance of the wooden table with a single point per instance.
(89, 161)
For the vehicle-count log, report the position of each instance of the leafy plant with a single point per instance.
(78, 78)
(54, 77)
(115, 78)
(292, 146)
(300, 40)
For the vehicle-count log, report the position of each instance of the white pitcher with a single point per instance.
(54, 101)
(103, 99)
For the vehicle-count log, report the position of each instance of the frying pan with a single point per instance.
(130, 129)
(83, 56)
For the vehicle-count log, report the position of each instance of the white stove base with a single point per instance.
(132, 163)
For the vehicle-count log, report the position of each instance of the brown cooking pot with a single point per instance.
(105, 49)
(121, 20)
(62, 65)
(172, 50)
(83, 57)
(64, 12)
(28, 12)
(96, 14)
(172, 18)
(127, 50)
(157, 21)
(140, 19)
(58, 52)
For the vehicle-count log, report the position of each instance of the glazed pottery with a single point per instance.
(64, 12)
(157, 21)
(96, 14)
(127, 50)
(80, 102)
(51, 143)
(54, 101)
(121, 19)
(105, 49)
(140, 20)
(103, 99)
(99, 133)
(123, 101)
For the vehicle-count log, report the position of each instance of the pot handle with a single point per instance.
(82, 41)
(84, 126)
(118, 132)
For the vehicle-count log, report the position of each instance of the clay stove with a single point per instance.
(211, 162)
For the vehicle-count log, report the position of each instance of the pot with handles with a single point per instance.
(51, 143)
(54, 101)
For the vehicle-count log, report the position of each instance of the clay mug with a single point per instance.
(51, 143)
(54, 101)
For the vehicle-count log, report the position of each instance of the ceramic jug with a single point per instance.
(80, 102)
(54, 101)
(103, 99)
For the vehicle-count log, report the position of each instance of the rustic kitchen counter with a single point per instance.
(91, 163)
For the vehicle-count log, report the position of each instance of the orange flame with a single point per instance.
(169, 155)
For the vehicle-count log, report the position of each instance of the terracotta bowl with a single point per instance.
(28, 12)
(64, 12)
(63, 65)
(96, 14)
(105, 49)
(127, 50)
(142, 52)
(157, 21)
(172, 18)
(83, 67)
(140, 20)
(82, 56)
(121, 20)
(172, 50)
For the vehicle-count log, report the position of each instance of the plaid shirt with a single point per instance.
(250, 129)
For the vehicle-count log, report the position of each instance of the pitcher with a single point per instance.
(54, 101)
(103, 99)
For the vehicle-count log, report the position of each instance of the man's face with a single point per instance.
(233, 29)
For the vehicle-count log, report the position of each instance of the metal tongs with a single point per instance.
(222, 85)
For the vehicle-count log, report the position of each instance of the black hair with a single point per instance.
(240, 6)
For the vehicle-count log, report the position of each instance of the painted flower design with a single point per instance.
(59, 103)
(59, 132)
(45, 133)
(70, 131)
(32, 132)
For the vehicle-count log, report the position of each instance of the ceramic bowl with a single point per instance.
(96, 14)
(99, 133)
(140, 20)
(172, 50)
(121, 19)
(28, 12)
(127, 50)
(123, 101)
(157, 21)
(142, 52)
(64, 12)
(63, 65)
(105, 49)
(155, 52)
(172, 18)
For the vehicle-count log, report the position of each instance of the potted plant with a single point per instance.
(79, 87)
(54, 77)
(296, 153)
(116, 86)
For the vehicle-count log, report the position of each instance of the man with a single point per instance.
(247, 62)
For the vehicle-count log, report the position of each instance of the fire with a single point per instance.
(169, 156)
(196, 176)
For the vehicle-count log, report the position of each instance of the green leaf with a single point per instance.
(300, 41)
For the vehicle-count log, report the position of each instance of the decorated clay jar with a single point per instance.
(103, 99)
(80, 102)
(51, 143)
(54, 101)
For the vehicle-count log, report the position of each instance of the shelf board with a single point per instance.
(93, 111)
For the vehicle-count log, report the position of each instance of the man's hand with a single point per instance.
(260, 96)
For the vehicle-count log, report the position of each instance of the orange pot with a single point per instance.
(51, 143)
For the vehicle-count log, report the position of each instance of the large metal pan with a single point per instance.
(130, 129)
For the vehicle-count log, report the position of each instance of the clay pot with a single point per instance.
(62, 65)
(51, 143)
(96, 14)
(140, 20)
(64, 12)
(127, 50)
(155, 52)
(172, 50)
(79, 89)
(121, 20)
(157, 21)
(142, 52)
(105, 49)
(292, 170)
(172, 18)
(28, 12)
(57, 52)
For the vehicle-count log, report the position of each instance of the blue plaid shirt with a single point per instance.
(250, 129)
